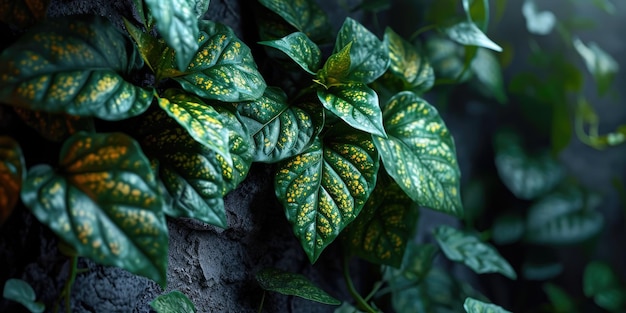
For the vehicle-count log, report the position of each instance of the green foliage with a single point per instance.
(287, 283)
(20, 291)
(601, 283)
(173, 302)
(12, 173)
(474, 306)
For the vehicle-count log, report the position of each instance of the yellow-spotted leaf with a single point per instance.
(293, 284)
(300, 49)
(200, 120)
(336, 68)
(419, 153)
(357, 105)
(369, 56)
(55, 127)
(325, 187)
(381, 231)
(73, 66)
(407, 64)
(306, 16)
(223, 68)
(280, 130)
(103, 200)
(151, 50)
(12, 172)
(23, 13)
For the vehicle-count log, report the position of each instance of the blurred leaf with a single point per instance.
(486, 68)
(306, 16)
(347, 308)
(23, 13)
(601, 283)
(541, 271)
(294, 285)
(477, 11)
(21, 292)
(53, 126)
(408, 65)
(467, 33)
(599, 63)
(474, 306)
(416, 263)
(439, 292)
(538, 22)
(300, 49)
(508, 228)
(173, 302)
(373, 5)
(561, 301)
(605, 5)
(12, 174)
(446, 58)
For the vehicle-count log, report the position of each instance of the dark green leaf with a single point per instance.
(561, 301)
(73, 66)
(23, 13)
(472, 305)
(446, 58)
(357, 105)
(467, 33)
(223, 69)
(602, 65)
(478, 12)
(20, 291)
(438, 293)
(306, 16)
(487, 70)
(541, 271)
(104, 202)
(280, 130)
(408, 64)
(479, 256)
(293, 284)
(508, 228)
(173, 302)
(538, 22)
(300, 49)
(52, 126)
(373, 5)
(419, 153)
(151, 50)
(416, 263)
(601, 283)
(605, 5)
(324, 188)
(346, 307)
(12, 173)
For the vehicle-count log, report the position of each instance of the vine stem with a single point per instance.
(262, 301)
(67, 289)
(361, 303)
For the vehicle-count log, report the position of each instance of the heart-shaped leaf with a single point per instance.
(467, 33)
(300, 49)
(306, 16)
(325, 187)
(12, 172)
(293, 284)
(479, 256)
(52, 126)
(71, 66)
(23, 13)
(419, 153)
(104, 202)
(407, 64)
(356, 104)
(173, 302)
(280, 130)
(20, 291)
(223, 68)
(472, 305)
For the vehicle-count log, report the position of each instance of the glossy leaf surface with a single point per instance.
(20, 291)
(300, 49)
(23, 13)
(12, 173)
(104, 202)
(306, 16)
(407, 64)
(420, 154)
(73, 66)
(472, 305)
(173, 302)
(223, 68)
(479, 256)
(54, 126)
(336, 68)
(293, 284)
(280, 130)
(324, 188)
(467, 33)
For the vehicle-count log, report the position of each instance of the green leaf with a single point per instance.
(560, 300)
(447, 59)
(538, 22)
(408, 64)
(280, 130)
(600, 64)
(324, 188)
(173, 302)
(419, 153)
(336, 68)
(200, 120)
(223, 69)
(467, 33)
(381, 231)
(151, 50)
(12, 173)
(306, 16)
(472, 305)
(486, 68)
(300, 49)
(52, 126)
(73, 66)
(293, 284)
(526, 176)
(508, 228)
(177, 23)
(23, 13)
(416, 263)
(104, 201)
(601, 283)
(21, 292)
(357, 105)
(477, 11)
(481, 257)
(369, 57)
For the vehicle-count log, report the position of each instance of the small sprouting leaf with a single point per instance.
(408, 64)
(526, 176)
(336, 68)
(150, 48)
(200, 120)
(293, 284)
(561, 301)
(419, 153)
(20, 291)
(381, 231)
(508, 228)
(324, 188)
(538, 22)
(467, 33)
(600, 64)
(357, 105)
(73, 66)
(472, 305)
(486, 68)
(306, 16)
(173, 302)
(52, 126)
(601, 283)
(12, 172)
(300, 49)
(103, 201)
(223, 68)
(369, 57)
(280, 130)
(481, 257)
(23, 13)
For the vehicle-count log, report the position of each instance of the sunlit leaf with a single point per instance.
(357, 105)
(300, 49)
(602, 65)
(103, 200)
(223, 68)
(280, 130)
(12, 173)
(52, 126)
(173, 302)
(467, 33)
(20, 291)
(419, 153)
(324, 188)
(73, 66)
(472, 305)
(538, 22)
(600, 282)
(408, 64)
(293, 284)
(23, 13)
(306, 16)
(479, 256)
(487, 70)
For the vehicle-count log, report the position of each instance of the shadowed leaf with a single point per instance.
(293, 284)
(173, 302)
(306, 16)
(12, 173)
(52, 126)
(20, 291)
(23, 13)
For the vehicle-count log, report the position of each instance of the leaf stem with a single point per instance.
(67, 288)
(262, 302)
(361, 303)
